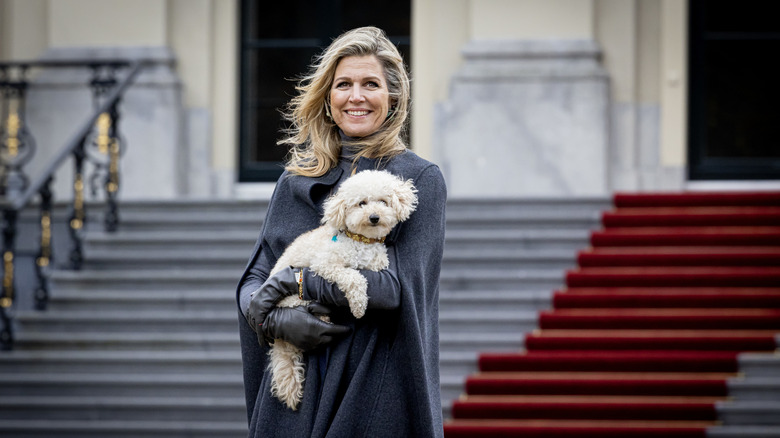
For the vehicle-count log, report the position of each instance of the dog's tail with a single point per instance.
(287, 373)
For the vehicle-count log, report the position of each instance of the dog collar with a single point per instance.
(361, 238)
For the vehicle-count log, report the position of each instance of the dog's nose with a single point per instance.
(374, 218)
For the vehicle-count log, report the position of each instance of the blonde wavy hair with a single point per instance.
(315, 139)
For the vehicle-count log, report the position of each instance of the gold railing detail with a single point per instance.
(43, 260)
(113, 167)
(8, 279)
(78, 203)
(13, 124)
(103, 128)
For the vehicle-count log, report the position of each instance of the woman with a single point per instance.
(377, 376)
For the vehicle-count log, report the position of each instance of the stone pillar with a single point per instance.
(526, 118)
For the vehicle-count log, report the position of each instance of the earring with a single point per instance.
(327, 112)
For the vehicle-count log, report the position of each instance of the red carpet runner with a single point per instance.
(646, 334)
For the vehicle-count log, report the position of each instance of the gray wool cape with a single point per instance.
(381, 379)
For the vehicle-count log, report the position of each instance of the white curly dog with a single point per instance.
(356, 220)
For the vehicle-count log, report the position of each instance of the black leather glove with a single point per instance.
(276, 287)
(300, 326)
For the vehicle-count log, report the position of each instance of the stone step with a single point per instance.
(147, 279)
(105, 259)
(122, 429)
(121, 362)
(128, 341)
(520, 207)
(480, 238)
(239, 240)
(476, 342)
(195, 222)
(501, 279)
(750, 413)
(743, 432)
(457, 363)
(121, 385)
(190, 206)
(491, 299)
(508, 258)
(755, 388)
(143, 300)
(488, 322)
(124, 322)
(760, 364)
(123, 408)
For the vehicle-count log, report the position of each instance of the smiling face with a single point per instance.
(359, 98)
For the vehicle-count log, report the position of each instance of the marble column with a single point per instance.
(526, 118)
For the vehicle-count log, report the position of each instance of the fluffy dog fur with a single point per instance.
(370, 204)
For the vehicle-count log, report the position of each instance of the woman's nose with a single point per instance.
(356, 95)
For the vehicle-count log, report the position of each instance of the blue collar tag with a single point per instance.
(335, 237)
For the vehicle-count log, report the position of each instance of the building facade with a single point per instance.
(512, 98)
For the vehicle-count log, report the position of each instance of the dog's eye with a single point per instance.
(383, 202)
(362, 203)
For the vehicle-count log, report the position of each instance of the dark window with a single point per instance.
(278, 43)
(734, 90)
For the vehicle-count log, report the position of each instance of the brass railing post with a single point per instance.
(78, 210)
(8, 291)
(44, 258)
(105, 149)
(17, 146)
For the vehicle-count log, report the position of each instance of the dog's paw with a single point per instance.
(358, 309)
(357, 296)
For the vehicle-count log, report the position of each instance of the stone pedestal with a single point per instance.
(526, 118)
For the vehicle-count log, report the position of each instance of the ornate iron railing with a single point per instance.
(96, 140)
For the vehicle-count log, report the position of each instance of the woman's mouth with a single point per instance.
(357, 112)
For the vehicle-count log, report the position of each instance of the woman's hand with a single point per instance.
(264, 299)
(297, 325)
(300, 326)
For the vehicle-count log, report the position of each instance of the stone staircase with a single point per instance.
(143, 341)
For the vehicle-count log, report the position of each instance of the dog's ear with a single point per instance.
(335, 212)
(404, 199)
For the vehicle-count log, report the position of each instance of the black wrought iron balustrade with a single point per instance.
(97, 140)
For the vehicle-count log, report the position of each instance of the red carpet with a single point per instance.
(646, 334)
(595, 383)
(575, 429)
(651, 340)
(590, 407)
(643, 297)
(687, 236)
(675, 256)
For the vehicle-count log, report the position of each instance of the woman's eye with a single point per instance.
(372, 84)
(342, 85)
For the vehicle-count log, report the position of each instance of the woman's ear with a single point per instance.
(404, 200)
(335, 212)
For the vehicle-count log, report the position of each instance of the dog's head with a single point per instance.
(370, 203)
